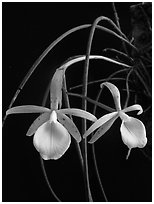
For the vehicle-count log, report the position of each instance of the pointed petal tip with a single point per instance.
(134, 108)
(115, 93)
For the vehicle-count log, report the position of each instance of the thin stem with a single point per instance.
(145, 70)
(84, 105)
(98, 81)
(94, 155)
(47, 181)
(119, 53)
(118, 24)
(84, 92)
(101, 105)
(144, 84)
(67, 104)
(127, 88)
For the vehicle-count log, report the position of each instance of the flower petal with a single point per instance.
(51, 140)
(133, 133)
(37, 123)
(103, 129)
(99, 122)
(69, 125)
(27, 109)
(115, 93)
(79, 113)
(133, 108)
(56, 89)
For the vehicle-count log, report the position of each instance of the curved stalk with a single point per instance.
(101, 105)
(127, 88)
(144, 84)
(67, 104)
(98, 81)
(47, 181)
(94, 156)
(118, 24)
(50, 47)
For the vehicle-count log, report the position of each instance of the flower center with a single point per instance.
(53, 117)
(123, 116)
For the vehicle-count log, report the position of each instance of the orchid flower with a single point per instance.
(132, 130)
(52, 129)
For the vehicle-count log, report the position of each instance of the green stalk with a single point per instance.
(93, 151)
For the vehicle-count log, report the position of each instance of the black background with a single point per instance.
(28, 28)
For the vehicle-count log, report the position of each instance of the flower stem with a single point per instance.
(118, 24)
(67, 104)
(93, 151)
(47, 181)
(127, 88)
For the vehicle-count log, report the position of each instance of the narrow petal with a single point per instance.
(103, 129)
(133, 108)
(99, 123)
(79, 113)
(115, 93)
(51, 140)
(69, 125)
(27, 109)
(133, 133)
(38, 122)
(56, 89)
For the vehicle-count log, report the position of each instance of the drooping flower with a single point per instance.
(52, 129)
(132, 130)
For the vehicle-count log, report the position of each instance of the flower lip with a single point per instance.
(51, 140)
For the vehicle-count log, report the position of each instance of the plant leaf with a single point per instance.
(37, 123)
(27, 109)
(103, 129)
(69, 125)
(78, 113)
(99, 122)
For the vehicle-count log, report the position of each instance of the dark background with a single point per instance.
(28, 28)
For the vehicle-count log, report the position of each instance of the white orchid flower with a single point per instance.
(52, 129)
(132, 130)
